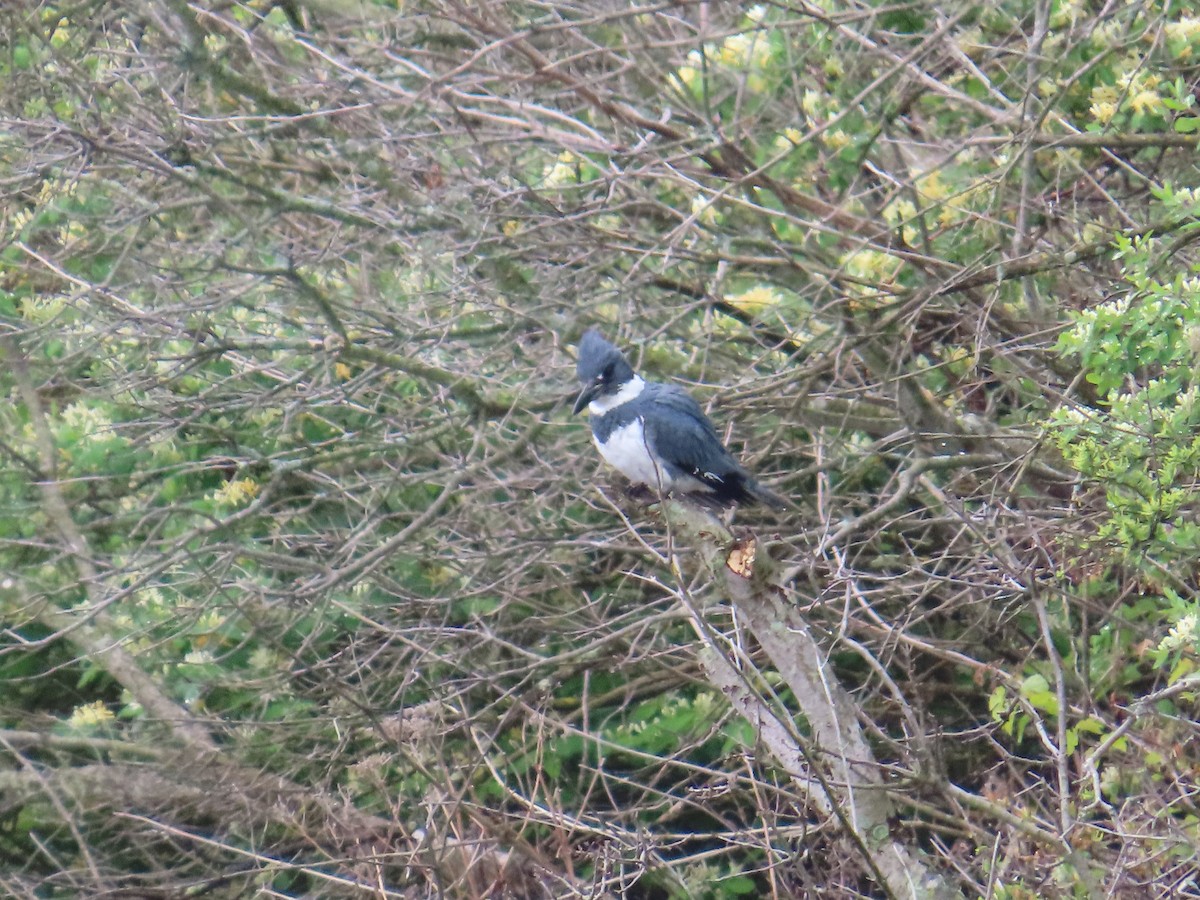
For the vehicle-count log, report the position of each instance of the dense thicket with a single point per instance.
(312, 587)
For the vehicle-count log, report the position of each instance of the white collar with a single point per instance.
(629, 391)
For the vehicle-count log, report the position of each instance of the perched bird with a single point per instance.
(656, 434)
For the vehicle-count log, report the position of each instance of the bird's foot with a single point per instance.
(641, 493)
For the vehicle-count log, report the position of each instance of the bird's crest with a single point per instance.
(596, 355)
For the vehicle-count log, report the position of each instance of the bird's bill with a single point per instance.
(586, 396)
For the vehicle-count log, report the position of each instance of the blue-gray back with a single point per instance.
(676, 430)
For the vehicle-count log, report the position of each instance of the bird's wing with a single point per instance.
(686, 439)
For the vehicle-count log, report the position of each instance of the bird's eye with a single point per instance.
(606, 375)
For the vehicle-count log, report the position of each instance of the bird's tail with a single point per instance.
(768, 497)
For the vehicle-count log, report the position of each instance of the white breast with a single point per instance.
(627, 452)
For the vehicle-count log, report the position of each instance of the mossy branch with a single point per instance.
(841, 765)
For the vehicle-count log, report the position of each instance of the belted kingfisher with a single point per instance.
(656, 434)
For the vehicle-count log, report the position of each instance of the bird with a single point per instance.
(656, 435)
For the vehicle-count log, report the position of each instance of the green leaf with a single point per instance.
(739, 885)
(998, 704)
(1037, 691)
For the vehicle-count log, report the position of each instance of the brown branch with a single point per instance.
(1098, 141)
(840, 758)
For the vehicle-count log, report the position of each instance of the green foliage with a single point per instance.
(1177, 652)
(1141, 444)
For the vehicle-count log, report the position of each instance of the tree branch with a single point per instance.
(852, 779)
